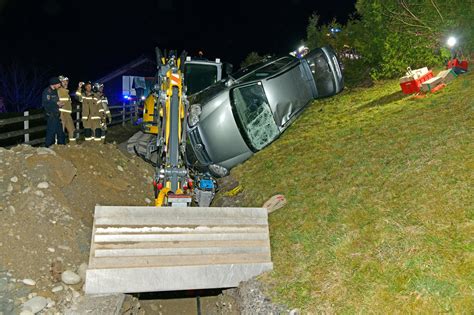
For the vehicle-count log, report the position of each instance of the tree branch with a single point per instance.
(437, 9)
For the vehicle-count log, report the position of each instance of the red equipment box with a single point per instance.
(454, 63)
(414, 86)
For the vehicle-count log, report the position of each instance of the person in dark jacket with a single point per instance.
(51, 104)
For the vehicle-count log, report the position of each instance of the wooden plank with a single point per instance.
(21, 132)
(153, 279)
(14, 120)
(177, 260)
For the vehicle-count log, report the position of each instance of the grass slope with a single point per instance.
(380, 214)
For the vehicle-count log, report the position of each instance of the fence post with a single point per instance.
(123, 113)
(26, 126)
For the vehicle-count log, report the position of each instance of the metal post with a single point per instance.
(26, 126)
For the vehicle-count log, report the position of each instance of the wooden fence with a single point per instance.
(121, 114)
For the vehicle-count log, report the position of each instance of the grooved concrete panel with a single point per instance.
(149, 249)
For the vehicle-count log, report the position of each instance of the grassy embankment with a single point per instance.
(380, 214)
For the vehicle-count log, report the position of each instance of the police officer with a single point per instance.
(90, 111)
(66, 110)
(51, 104)
(106, 116)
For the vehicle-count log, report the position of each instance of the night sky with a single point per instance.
(87, 39)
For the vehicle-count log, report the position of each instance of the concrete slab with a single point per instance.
(150, 249)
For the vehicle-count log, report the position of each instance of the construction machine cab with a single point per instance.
(199, 73)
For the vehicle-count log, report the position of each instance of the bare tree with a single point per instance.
(21, 87)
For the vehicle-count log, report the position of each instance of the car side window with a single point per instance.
(255, 115)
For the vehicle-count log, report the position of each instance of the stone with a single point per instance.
(29, 281)
(14, 179)
(39, 193)
(27, 312)
(147, 200)
(10, 188)
(35, 305)
(43, 185)
(43, 151)
(120, 168)
(51, 250)
(57, 289)
(70, 277)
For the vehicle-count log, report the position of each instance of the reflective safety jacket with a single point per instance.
(90, 107)
(66, 99)
(103, 105)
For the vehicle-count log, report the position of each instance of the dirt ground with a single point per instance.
(47, 204)
(46, 214)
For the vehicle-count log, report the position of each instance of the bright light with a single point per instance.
(301, 48)
(143, 98)
(451, 41)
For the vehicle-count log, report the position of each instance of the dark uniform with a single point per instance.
(54, 127)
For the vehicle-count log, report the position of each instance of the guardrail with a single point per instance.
(121, 114)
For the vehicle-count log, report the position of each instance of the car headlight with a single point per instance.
(218, 170)
(194, 113)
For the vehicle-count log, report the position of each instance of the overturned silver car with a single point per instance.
(232, 119)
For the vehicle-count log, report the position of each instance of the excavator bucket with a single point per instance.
(150, 249)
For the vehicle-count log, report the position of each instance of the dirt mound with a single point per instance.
(47, 204)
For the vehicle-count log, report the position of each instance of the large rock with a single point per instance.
(36, 304)
(70, 277)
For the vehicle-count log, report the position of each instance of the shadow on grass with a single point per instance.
(384, 100)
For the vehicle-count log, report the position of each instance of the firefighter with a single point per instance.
(90, 111)
(106, 116)
(50, 102)
(66, 110)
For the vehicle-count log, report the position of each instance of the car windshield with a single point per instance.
(253, 115)
(262, 69)
(199, 76)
